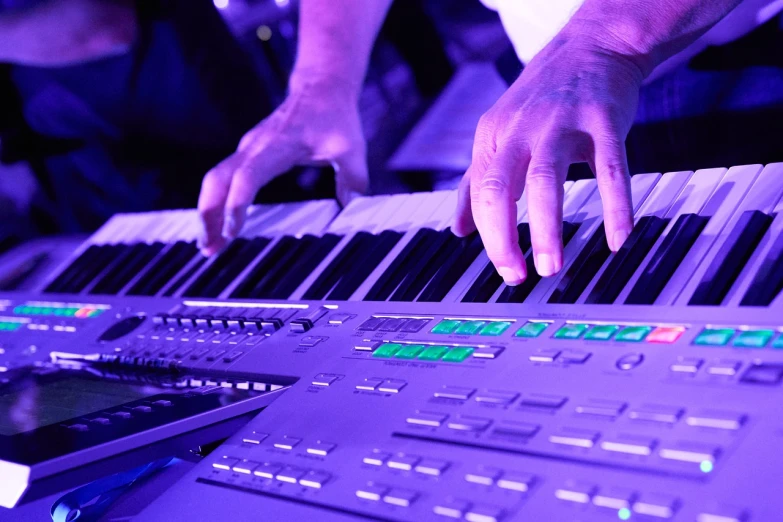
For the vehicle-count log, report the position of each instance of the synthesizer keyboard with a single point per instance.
(412, 384)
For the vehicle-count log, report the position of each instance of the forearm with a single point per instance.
(648, 31)
(335, 40)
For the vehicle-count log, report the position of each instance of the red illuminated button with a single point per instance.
(666, 334)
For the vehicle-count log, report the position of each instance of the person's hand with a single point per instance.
(575, 102)
(318, 124)
(65, 32)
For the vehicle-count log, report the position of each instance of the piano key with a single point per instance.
(225, 267)
(587, 252)
(489, 281)
(440, 251)
(87, 257)
(737, 192)
(357, 273)
(354, 250)
(248, 285)
(87, 273)
(450, 272)
(731, 258)
(388, 282)
(768, 281)
(307, 261)
(123, 272)
(164, 269)
(185, 275)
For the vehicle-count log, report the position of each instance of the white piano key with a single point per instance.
(771, 181)
(690, 200)
(738, 196)
(297, 219)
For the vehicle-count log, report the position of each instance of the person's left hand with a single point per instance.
(574, 102)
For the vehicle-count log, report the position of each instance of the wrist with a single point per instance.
(308, 80)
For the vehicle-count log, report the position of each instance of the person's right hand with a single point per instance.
(318, 124)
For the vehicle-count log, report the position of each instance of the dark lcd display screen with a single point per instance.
(47, 403)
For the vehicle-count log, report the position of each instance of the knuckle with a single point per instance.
(613, 172)
(493, 185)
(542, 176)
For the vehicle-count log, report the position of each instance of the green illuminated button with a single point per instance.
(714, 337)
(433, 353)
(470, 327)
(633, 334)
(458, 354)
(570, 331)
(95, 313)
(601, 332)
(495, 328)
(447, 326)
(387, 350)
(778, 342)
(753, 338)
(409, 351)
(20, 309)
(531, 329)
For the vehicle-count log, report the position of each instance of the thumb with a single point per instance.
(351, 175)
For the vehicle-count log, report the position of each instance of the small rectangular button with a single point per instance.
(614, 498)
(753, 338)
(601, 332)
(290, 474)
(423, 418)
(714, 337)
(717, 420)
(309, 341)
(545, 355)
(687, 365)
(532, 329)
(629, 444)
(403, 462)
(414, 325)
(366, 345)
(470, 327)
(724, 514)
(225, 463)
(454, 392)
(393, 324)
(542, 401)
(689, 452)
(488, 352)
(521, 482)
(763, 373)
(657, 413)
(372, 492)
(724, 367)
(400, 497)
(432, 467)
(633, 334)
(285, 442)
(778, 342)
(387, 350)
(666, 334)
(233, 356)
(446, 326)
(339, 318)
(495, 328)
(458, 354)
(267, 470)
(452, 508)
(484, 477)
(579, 492)
(656, 506)
(571, 331)
(574, 437)
(369, 384)
(433, 353)
(324, 379)
(376, 458)
(320, 448)
(499, 397)
(315, 479)
(372, 324)
(601, 408)
(245, 467)
(255, 437)
(574, 356)
(515, 431)
(409, 351)
(392, 386)
(484, 513)
(466, 423)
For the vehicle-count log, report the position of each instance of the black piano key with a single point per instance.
(625, 262)
(768, 282)
(487, 283)
(89, 273)
(307, 262)
(331, 275)
(452, 270)
(667, 259)
(255, 277)
(519, 293)
(278, 272)
(364, 265)
(87, 257)
(582, 271)
(184, 278)
(223, 272)
(126, 269)
(164, 269)
(731, 258)
(441, 249)
(401, 265)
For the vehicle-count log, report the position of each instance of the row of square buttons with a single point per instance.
(286, 442)
(404, 462)
(741, 339)
(521, 482)
(622, 500)
(394, 496)
(270, 470)
(500, 397)
(421, 352)
(606, 332)
(394, 324)
(471, 327)
(458, 509)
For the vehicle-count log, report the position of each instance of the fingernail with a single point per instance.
(545, 265)
(618, 239)
(510, 277)
(229, 227)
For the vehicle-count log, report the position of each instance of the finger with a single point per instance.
(614, 185)
(212, 202)
(351, 177)
(270, 160)
(544, 185)
(495, 213)
(463, 215)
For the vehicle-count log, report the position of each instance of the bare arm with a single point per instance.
(574, 102)
(317, 124)
(56, 33)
